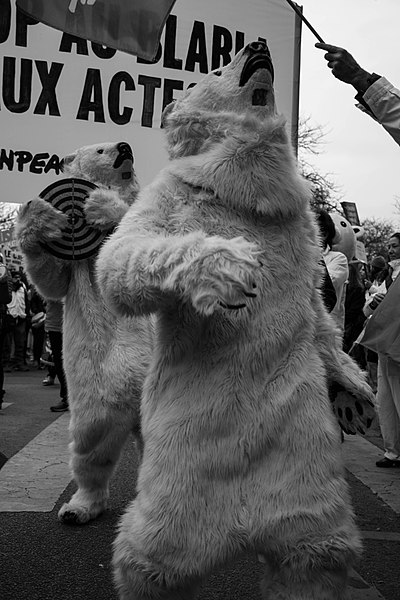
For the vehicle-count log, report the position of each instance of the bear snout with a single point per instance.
(258, 57)
(124, 153)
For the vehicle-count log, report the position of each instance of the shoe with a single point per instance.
(48, 381)
(386, 463)
(21, 368)
(61, 407)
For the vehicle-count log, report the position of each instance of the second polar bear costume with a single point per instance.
(241, 448)
(105, 358)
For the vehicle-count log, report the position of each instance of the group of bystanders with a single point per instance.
(381, 100)
(27, 321)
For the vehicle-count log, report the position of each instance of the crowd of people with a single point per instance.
(30, 332)
(380, 100)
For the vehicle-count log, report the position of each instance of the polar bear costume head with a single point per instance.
(228, 128)
(243, 87)
(107, 164)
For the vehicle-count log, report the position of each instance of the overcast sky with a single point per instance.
(361, 158)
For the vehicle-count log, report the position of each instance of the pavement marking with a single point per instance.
(33, 479)
(360, 589)
(360, 456)
(382, 536)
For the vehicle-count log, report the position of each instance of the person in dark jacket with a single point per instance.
(5, 297)
(18, 308)
(37, 308)
(354, 317)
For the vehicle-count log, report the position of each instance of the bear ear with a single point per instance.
(66, 160)
(167, 111)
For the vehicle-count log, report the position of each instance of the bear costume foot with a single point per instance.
(82, 508)
(329, 585)
(143, 582)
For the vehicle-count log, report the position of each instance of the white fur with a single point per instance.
(105, 357)
(241, 447)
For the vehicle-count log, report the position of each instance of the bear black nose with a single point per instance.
(256, 47)
(124, 147)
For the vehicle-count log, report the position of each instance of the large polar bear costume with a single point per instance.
(241, 447)
(103, 364)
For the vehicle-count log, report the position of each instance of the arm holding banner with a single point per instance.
(375, 94)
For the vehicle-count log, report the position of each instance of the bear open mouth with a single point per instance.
(253, 64)
(260, 97)
(125, 153)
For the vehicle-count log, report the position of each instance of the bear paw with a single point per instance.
(73, 513)
(104, 209)
(354, 413)
(39, 222)
(223, 276)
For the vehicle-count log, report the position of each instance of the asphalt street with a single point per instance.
(42, 559)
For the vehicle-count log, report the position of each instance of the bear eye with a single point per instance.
(100, 151)
(217, 73)
(343, 224)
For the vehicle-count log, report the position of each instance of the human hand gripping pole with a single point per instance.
(345, 68)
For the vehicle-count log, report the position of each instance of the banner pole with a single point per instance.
(305, 21)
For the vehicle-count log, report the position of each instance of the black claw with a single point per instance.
(349, 414)
(70, 518)
(359, 408)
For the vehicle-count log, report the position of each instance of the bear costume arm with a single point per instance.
(351, 396)
(104, 208)
(37, 223)
(142, 268)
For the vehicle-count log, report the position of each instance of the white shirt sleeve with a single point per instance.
(384, 101)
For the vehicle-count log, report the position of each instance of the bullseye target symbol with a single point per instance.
(79, 240)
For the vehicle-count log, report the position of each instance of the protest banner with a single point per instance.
(61, 92)
(134, 27)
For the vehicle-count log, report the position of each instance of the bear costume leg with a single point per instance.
(141, 571)
(95, 450)
(312, 569)
(135, 584)
(321, 585)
